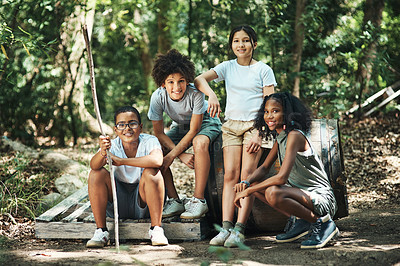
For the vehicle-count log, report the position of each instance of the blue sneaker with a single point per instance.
(323, 230)
(294, 230)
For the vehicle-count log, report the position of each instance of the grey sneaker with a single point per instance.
(100, 239)
(157, 236)
(234, 239)
(219, 240)
(194, 209)
(172, 207)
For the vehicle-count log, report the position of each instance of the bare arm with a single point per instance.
(178, 150)
(201, 83)
(153, 160)
(165, 141)
(268, 90)
(99, 159)
(295, 143)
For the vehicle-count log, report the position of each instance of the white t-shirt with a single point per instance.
(244, 87)
(132, 174)
(192, 102)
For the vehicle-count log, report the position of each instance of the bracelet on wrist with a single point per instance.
(245, 182)
(105, 155)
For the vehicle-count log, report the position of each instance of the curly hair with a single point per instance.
(170, 63)
(296, 115)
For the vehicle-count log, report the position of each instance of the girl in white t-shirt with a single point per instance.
(247, 81)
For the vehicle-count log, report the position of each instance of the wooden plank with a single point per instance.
(386, 101)
(64, 205)
(89, 219)
(77, 213)
(315, 136)
(368, 101)
(127, 230)
(335, 156)
(388, 90)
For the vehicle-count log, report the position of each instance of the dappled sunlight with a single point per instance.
(127, 255)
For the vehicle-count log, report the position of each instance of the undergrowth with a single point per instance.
(23, 182)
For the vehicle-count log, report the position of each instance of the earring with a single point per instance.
(284, 127)
(263, 128)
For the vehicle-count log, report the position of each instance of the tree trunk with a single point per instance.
(190, 28)
(75, 67)
(298, 45)
(144, 51)
(164, 37)
(372, 13)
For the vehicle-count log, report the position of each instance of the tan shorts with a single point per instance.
(235, 132)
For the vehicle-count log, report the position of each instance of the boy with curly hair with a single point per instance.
(192, 125)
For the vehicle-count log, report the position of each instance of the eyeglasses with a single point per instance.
(131, 125)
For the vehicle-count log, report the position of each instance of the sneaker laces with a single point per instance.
(290, 224)
(315, 228)
(235, 235)
(192, 205)
(222, 233)
(99, 235)
(168, 203)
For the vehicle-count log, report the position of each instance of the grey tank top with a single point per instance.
(308, 171)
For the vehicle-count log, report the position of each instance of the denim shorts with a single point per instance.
(210, 127)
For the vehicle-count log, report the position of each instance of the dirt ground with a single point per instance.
(370, 235)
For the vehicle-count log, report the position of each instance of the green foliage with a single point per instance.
(224, 254)
(22, 185)
(29, 80)
(127, 36)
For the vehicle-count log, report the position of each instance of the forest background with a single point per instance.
(332, 54)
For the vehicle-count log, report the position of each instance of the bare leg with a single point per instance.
(151, 191)
(169, 184)
(249, 164)
(201, 164)
(99, 188)
(291, 201)
(232, 163)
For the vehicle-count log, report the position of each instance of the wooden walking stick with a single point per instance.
(97, 110)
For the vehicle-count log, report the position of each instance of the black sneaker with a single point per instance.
(296, 230)
(320, 233)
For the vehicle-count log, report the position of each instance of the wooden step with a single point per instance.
(72, 219)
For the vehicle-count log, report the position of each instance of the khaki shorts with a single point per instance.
(235, 132)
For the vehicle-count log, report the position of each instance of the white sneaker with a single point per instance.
(172, 207)
(194, 209)
(235, 239)
(157, 236)
(99, 239)
(220, 239)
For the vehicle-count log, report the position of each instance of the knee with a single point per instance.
(201, 143)
(231, 176)
(152, 175)
(98, 176)
(274, 196)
